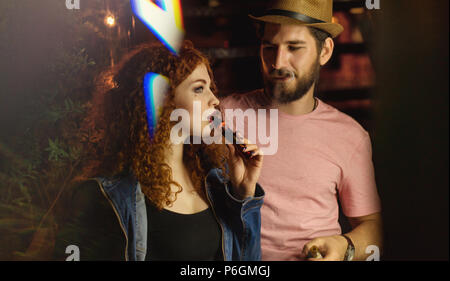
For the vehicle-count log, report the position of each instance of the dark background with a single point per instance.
(389, 72)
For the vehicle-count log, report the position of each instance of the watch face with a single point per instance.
(350, 253)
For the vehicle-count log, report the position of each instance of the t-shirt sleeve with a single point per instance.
(358, 192)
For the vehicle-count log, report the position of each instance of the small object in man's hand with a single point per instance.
(314, 253)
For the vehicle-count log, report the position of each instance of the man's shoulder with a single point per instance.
(343, 122)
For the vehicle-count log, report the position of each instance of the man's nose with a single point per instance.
(280, 59)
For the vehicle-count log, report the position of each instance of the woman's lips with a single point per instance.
(215, 119)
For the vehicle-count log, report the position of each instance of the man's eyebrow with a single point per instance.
(296, 42)
(292, 42)
(267, 42)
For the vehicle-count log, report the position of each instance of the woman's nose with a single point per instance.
(214, 101)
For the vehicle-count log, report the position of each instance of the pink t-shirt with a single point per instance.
(322, 156)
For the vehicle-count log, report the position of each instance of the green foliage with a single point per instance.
(56, 152)
(38, 162)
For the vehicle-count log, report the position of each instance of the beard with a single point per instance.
(280, 92)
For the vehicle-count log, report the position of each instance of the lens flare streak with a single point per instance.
(155, 89)
(164, 19)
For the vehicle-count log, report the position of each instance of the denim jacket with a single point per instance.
(240, 220)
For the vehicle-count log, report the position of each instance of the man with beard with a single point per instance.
(324, 156)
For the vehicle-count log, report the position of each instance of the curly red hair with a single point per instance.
(119, 113)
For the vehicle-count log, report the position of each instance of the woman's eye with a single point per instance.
(198, 90)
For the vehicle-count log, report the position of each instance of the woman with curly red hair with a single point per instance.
(148, 198)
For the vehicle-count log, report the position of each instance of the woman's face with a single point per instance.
(196, 88)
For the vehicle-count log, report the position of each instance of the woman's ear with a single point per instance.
(327, 51)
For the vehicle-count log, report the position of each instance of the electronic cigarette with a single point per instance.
(231, 137)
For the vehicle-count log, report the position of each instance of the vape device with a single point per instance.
(230, 136)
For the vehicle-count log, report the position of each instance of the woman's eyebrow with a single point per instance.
(199, 80)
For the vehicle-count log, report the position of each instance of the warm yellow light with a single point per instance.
(110, 20)
(357, 11)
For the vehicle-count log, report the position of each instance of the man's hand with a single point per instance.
(367, 230)
(332, 248)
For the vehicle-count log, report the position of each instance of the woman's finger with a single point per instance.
(250, 147)
(257, 154)
(243, 140)
(234, 154)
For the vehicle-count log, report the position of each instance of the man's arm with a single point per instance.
(367, 230)
(358, 195)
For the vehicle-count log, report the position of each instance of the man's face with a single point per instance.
(290, 61)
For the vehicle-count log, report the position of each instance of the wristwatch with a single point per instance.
(350, 253)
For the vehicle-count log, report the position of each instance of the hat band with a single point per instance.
(290, 14)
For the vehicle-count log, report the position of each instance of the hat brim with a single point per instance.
(334, 29)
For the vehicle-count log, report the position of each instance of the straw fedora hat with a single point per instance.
(313, 13)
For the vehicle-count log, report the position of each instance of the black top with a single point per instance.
(91, 224)
(182, 237)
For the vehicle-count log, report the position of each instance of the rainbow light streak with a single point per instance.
(164, 19)
(155, 89)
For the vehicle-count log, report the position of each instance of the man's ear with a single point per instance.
(327, 51)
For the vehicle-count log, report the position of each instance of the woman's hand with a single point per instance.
(244, 172)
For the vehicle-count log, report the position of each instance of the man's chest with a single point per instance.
(303, 166)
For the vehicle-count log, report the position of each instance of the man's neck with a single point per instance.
(301, 106)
